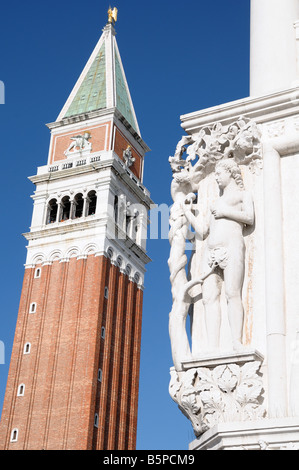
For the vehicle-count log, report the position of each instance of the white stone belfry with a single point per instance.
(236, 200)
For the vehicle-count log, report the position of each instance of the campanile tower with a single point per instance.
(74, 372)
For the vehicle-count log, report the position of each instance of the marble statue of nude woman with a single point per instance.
(224, 253)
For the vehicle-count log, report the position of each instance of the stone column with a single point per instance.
(274, 284)
(272, 45)
(59, 211)
(72, 208)
(142, 230)
(84, 210)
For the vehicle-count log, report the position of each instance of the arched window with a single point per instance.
(32, 308)
(96, 420)
(52, 211)
(21, 390)
(92, 202)
(79, 203)
(128, 269)
(37, 273)
(100, 374)
(116, 209)
(106, 292)
(14, 435)
(65, 208)
(27, 348)
(103, 332)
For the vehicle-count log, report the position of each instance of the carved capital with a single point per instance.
(210, 395)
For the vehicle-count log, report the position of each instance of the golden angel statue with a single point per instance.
(112, 15)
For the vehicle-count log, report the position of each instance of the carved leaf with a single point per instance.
(249, 370)
(212, 401)
(248, 391)
(189, 403)
(189, 378)
(174, 385)
(253, 412)
(217, 372)
(226, 378)
(206, 381)
(235, 369)
(218, 128)
(191, 409)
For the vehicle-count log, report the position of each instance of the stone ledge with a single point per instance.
(233, 357)
(266, 434)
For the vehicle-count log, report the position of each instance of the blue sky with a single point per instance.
(179, 57)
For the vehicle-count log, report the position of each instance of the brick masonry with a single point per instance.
(60, 374)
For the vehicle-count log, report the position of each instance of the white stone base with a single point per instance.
(266, 434)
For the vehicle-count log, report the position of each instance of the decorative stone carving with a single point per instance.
(128, 269)
(266, 446)
(240, 140)
(128, 157)
(224, 252)
(229, 392)
(80, 143)
(177, 261)
(276, 129)
(219, 149)
(119, 261)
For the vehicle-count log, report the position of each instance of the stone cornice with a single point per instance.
(108, 113)
(61, 228)
(75, 171)
(72, 226)
(98, 166)
(261, 109)
(119, 170)
(132, 131)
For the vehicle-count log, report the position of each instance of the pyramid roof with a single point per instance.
(102, 83)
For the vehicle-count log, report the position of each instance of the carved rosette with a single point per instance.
(226, 393)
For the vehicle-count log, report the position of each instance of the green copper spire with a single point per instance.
(102, 84)
(123, 102)
(91, 94)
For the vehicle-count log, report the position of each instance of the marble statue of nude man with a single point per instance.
(224, 253)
